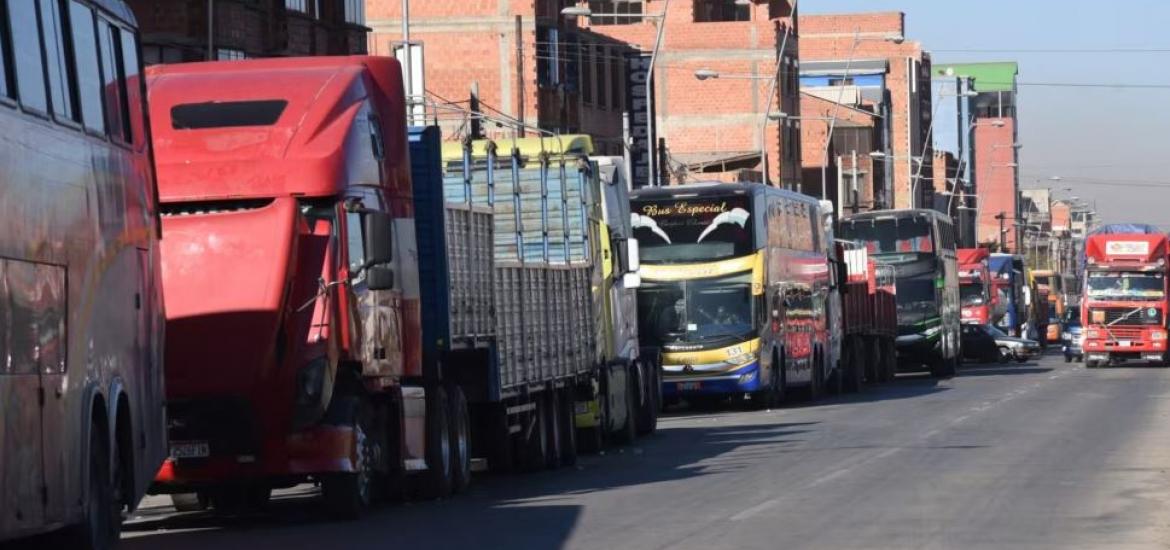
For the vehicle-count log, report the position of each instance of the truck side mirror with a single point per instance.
(379, 233)
(380, 277)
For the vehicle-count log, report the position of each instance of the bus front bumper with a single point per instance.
(743, 379)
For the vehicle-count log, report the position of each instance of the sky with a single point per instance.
(1109, 146)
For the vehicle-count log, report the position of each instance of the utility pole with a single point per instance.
(406, 53)
(520, 75)
(853, 182)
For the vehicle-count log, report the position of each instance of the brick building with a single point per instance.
(717, 126)
(996, 155)
(857, 134)
(175, 31)
(515, 61)
(867, 55)
(569, 74)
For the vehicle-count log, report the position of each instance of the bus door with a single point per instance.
(32, 349)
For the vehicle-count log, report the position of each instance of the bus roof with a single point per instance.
(569, 145)
(709, 189)
(896, 214)
(300, 149)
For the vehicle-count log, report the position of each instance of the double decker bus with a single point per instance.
(736, 285)
(920, 244)
(80, 296)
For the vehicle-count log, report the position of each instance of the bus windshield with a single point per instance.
(697, 311)
(891, 236)
(1126, 286)
(699, 229)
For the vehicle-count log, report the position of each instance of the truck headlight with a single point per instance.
(1158, 335)
(1092, 333)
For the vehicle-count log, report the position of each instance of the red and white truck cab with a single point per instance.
(1124, 306)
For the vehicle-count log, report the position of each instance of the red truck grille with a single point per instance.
(1120, 333)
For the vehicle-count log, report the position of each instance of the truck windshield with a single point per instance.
(702, 311)
(699, 229)
(1127, 286)
(972, 293)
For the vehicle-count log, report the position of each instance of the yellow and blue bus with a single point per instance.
(736, 289)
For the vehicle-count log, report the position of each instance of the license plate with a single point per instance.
(190, 449)
(688, 386)
(1124, 343)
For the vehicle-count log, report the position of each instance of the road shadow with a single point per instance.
(530, 511)
(1004, 370)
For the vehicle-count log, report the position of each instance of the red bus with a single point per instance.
(80, 295)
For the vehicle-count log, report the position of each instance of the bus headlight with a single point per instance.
(742, 359)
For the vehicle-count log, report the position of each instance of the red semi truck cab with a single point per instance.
(288, 274)
(975, 285)
(1124, 306)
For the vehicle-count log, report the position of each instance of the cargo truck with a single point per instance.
(975, 293)
(335, 316)
(1124, 303)
(870, 321)
(1008, 284)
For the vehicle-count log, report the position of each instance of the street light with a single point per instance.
(572, 12)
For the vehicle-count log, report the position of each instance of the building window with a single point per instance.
(355, 12)
(629, 7)
(548, 57)
(153, 55)
(839, 81)
(720, 11)
(297, 5)
(228, 54)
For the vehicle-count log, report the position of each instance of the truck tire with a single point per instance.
(890, 360)
(101, 519)
(438, 480)
(837, 379)
(552, 428)
(347, 494)
(568, 427)
(190, 502)
(460, 439)
(816, 388)
(876, 354)
(629, 429)
(648, 405)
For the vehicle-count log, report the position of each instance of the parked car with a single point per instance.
(1010, 347)
(979, 344)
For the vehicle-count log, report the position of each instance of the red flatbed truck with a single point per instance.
(333, 318)
(1124, 305)
(869, 317)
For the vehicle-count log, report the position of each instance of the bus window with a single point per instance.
(89, 77)
(26, 55)
(113, 80)
(135, 108)
(60, 82)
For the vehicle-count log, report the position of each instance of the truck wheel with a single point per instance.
(568, 427)
(816, 387)
(190, 502)
(101, 521)
(837, 379)
(647, 406)
(438, 480)
(880, 360)
(347, 494)
(1092, 364)
(460, 440)
(890, 360)
(533, 441)
(552, 428)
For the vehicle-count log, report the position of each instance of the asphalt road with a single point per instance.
(1041, 455)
